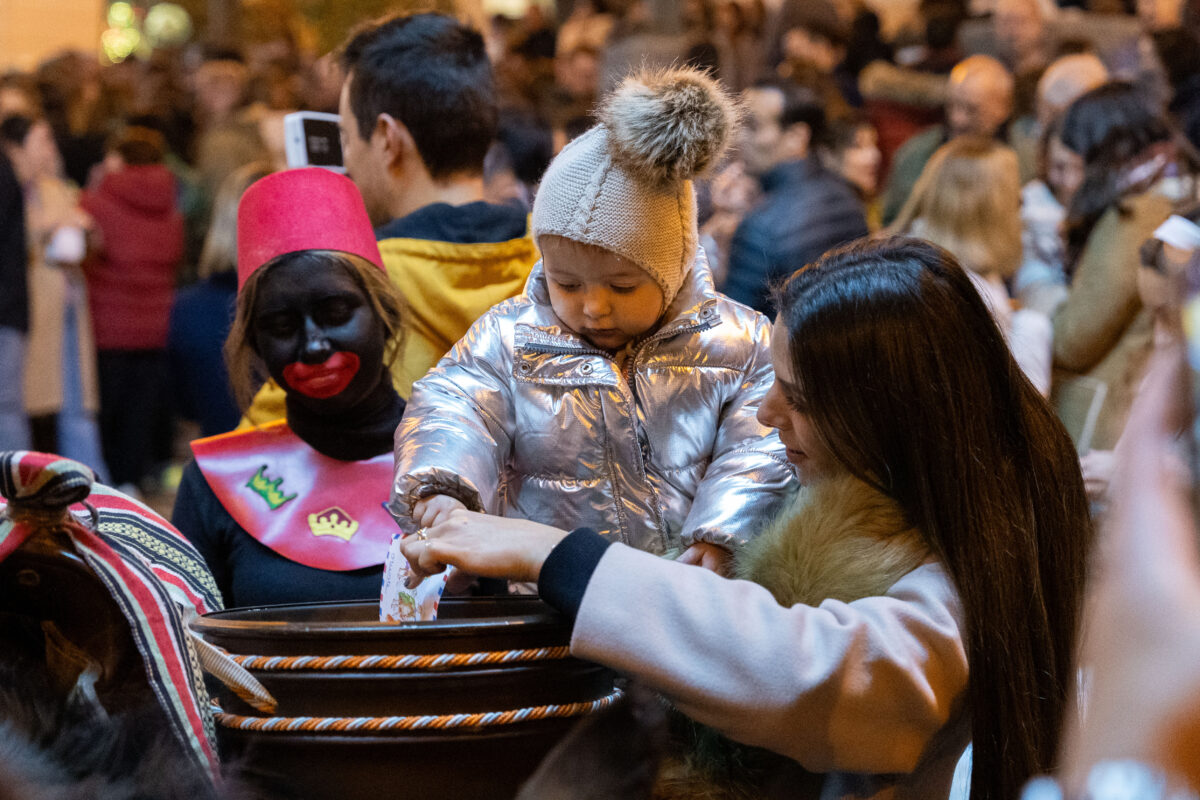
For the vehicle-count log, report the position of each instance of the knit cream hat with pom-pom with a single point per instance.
(625, 185)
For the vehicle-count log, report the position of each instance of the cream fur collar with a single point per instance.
(838, 539)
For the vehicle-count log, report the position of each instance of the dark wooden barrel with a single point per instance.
(426, 758)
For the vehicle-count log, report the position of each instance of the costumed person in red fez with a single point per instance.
(292, 511)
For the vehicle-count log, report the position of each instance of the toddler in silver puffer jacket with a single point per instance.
(620, 391)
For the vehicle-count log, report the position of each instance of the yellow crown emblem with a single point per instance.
(333, 522)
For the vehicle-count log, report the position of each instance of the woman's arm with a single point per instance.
(1103, 297)
(858, 687)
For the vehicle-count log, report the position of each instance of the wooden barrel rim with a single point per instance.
(425, 722)
(399, 662)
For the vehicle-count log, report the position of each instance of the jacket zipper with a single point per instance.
(563, 350)
(627, 373)
(618, 503)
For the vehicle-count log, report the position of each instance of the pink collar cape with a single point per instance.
(307, 507)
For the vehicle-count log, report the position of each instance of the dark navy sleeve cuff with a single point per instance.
(568, 569)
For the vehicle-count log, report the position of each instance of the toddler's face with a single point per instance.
(603, 297)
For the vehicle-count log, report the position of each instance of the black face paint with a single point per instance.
(318, 334)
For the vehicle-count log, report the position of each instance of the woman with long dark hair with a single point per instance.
(1130, 165)
(923, 589)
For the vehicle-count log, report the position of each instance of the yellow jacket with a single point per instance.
(447, 287)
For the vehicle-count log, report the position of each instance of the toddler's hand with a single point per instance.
(429, 511)
(709, 556)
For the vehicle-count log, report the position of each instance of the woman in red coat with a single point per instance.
(131, 285)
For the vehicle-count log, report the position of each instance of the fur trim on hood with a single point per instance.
(837, 539)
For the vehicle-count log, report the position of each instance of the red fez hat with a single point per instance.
(302, 209)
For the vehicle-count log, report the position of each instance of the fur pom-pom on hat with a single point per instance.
(670, 125)
(625, 185)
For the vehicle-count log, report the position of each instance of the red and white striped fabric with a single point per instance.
(153, 573)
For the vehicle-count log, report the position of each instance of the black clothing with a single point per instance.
(471, 223)
(248, 572)
(80, 152)
(1185, 106)
(568, 569)
(133, 410)
(14, 253)
(806, 210)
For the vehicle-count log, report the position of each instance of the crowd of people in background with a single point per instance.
(845, 109)
(1041, 147)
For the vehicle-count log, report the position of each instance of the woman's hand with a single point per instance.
(491, 547)
(713, 558)
(429, 511)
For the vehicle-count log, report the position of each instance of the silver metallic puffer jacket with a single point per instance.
(525, 419)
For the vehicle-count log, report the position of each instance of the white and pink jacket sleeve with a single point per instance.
(875, 687)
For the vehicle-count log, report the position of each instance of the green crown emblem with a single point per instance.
(268, 489)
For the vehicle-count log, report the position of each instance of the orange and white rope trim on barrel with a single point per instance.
(427, 661)
(442, 722)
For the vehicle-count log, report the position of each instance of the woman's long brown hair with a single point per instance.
(911, 384)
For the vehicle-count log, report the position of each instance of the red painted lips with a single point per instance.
(322, 380)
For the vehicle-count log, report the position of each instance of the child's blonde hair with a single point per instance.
(968, 200)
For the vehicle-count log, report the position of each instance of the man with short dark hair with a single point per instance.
(418, 114)
(806, 209)
(418, 110)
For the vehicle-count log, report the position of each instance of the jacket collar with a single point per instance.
(694, 307)
(786, 174)
(837, 538)
(470, 223)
